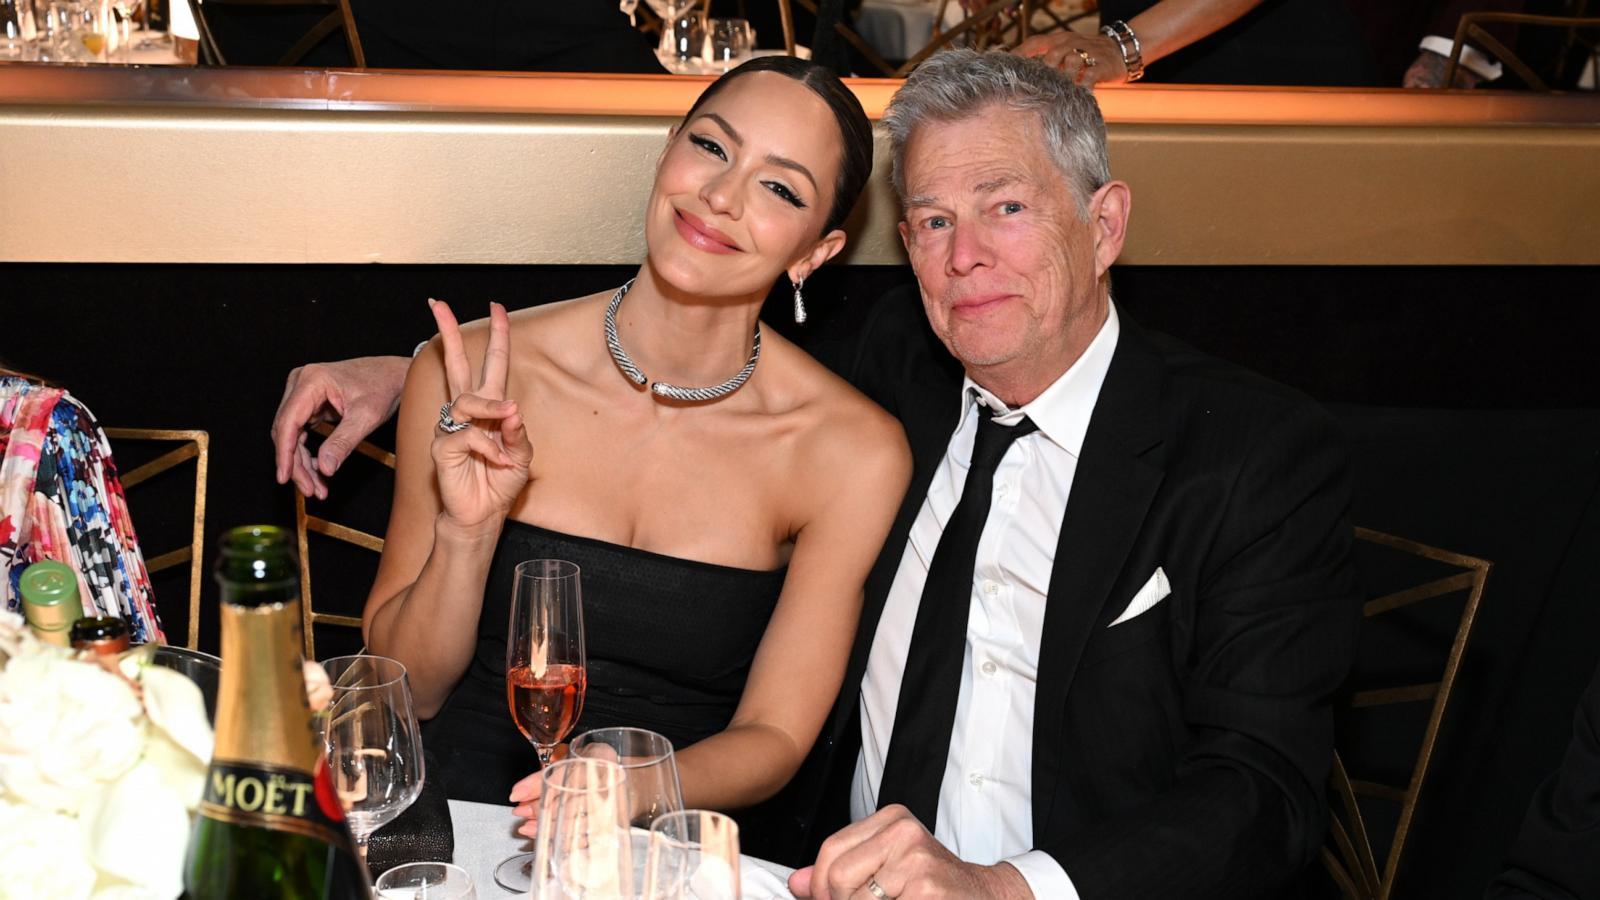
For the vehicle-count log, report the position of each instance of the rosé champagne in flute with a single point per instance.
(546, 673)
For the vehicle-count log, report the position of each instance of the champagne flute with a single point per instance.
(374, 745)
(694, 855)
(545, 670)
(583, 849)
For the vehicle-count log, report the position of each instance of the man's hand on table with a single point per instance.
(891, 849)
(358, 394)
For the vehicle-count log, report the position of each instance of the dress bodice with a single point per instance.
(669, 643)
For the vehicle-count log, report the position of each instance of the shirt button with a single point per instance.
(989, 668)
(991, 588)
(975, 779)
(1003, 489)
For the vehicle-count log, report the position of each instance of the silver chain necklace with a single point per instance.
(660, 388)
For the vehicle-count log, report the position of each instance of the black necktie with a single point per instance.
(926, 713)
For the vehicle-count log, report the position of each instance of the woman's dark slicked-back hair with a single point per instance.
(855, 132)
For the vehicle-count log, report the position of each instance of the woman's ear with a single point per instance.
(672, 134)
(821, 252)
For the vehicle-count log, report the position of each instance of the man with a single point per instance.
(1556, 855)
(1097, 652)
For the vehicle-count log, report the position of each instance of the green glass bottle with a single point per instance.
(50, 600)
(270, 824)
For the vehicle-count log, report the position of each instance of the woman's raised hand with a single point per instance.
(483, 467)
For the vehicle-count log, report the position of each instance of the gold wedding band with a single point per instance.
(1088, 61)
(875, 890)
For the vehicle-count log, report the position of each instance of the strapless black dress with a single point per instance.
(669, 645)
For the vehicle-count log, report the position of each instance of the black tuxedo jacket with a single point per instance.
(1557, 854)
(1182, 752)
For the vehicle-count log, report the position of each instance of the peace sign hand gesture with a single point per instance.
(483, 467)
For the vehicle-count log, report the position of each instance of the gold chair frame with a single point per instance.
(1355, 869)
(195, 445)
(1471, 28)
(339, 17)
(305, 525)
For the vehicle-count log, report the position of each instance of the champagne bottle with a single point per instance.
(105, 635)
(50, 600)
(270, 825)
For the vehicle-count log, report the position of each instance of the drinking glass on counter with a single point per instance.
(374, 744)
(14, 40)
(729, 42)
(546, 669)
(583, 850)
(425, 881)
(694, 855)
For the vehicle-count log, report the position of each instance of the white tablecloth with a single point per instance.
(486, 834)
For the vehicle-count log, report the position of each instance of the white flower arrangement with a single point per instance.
(100, 772)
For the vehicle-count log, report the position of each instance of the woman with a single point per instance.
(723, 540)
(60, 499)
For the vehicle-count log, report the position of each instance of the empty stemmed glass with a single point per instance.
(694, 855)
(583, 848)
(374, 745)
(653, 789)
(425, 881)
(680, 30)
(546, 671)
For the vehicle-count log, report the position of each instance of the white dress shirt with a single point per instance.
(985, 800)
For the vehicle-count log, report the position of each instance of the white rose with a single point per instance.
(127, 892)
(177, 710)
(15, 636)
(140, 831)
(66, 727)
(40, 855)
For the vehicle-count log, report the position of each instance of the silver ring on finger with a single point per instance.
(1089, 62)
(447, 424)
(876, 890)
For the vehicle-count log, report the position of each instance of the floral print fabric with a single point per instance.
(60, 499)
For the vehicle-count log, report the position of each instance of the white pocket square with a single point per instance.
(1154, 591)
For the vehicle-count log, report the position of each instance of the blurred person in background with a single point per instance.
(60, 499)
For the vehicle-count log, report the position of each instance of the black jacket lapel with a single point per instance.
(1113, 486)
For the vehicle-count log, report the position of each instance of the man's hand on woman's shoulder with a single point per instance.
(357, 394)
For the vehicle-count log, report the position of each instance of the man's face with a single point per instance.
(1010, 270)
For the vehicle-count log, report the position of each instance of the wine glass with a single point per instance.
(653, 789)
(583, 848)
(425, 881)
(679, 24)
(374, 745)
(545, 669)
(694, 855)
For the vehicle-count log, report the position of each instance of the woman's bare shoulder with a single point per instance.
(845, 428)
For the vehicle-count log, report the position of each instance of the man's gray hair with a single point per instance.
(955, 84)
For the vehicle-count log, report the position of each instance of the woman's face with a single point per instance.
(743, 188)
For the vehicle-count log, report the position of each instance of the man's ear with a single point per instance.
(1108, 213)
(905, 235)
